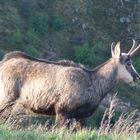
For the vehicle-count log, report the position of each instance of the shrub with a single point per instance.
(32, 51)
(56, 23)
(32, 38)
(1, 54)
(85, 54)
(16, 40)
(91, 55)
(25, 7)
(39, 22)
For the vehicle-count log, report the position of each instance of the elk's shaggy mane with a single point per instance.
(18, 54)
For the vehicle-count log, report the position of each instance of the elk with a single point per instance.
(64, 89)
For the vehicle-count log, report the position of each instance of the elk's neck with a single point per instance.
(104, 77)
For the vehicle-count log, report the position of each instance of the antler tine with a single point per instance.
(133, 47)
(135, 51)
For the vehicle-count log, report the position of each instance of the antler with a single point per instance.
(134, 51)
(133, 47)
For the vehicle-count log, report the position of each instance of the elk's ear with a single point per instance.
(115, 50)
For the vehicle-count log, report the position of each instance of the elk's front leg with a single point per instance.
(80, 123)
(62, 119)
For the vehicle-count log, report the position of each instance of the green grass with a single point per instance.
(60, 134)
(124, 127)
(6, 134)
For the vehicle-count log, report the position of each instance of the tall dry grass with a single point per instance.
(128, 124)
(126, 127)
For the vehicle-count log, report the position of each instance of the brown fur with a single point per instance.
(18, 54)
(62, 88)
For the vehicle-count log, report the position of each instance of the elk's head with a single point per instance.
(126, 70)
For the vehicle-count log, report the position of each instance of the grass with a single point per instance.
(61, 134)
(126, 127)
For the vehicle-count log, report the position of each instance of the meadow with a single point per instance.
(126, 127)
(61, 135)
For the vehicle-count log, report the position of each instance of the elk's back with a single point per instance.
(41, 86)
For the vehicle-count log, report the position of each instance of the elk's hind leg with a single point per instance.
(18, 116)
(5, 112)
(9, 86)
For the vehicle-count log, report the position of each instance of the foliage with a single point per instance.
(1, 54)
(33, 51)
(56, 23)
(84, 54)
(90, 54)
(38, 22)
(32, 38)
(16, 40)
